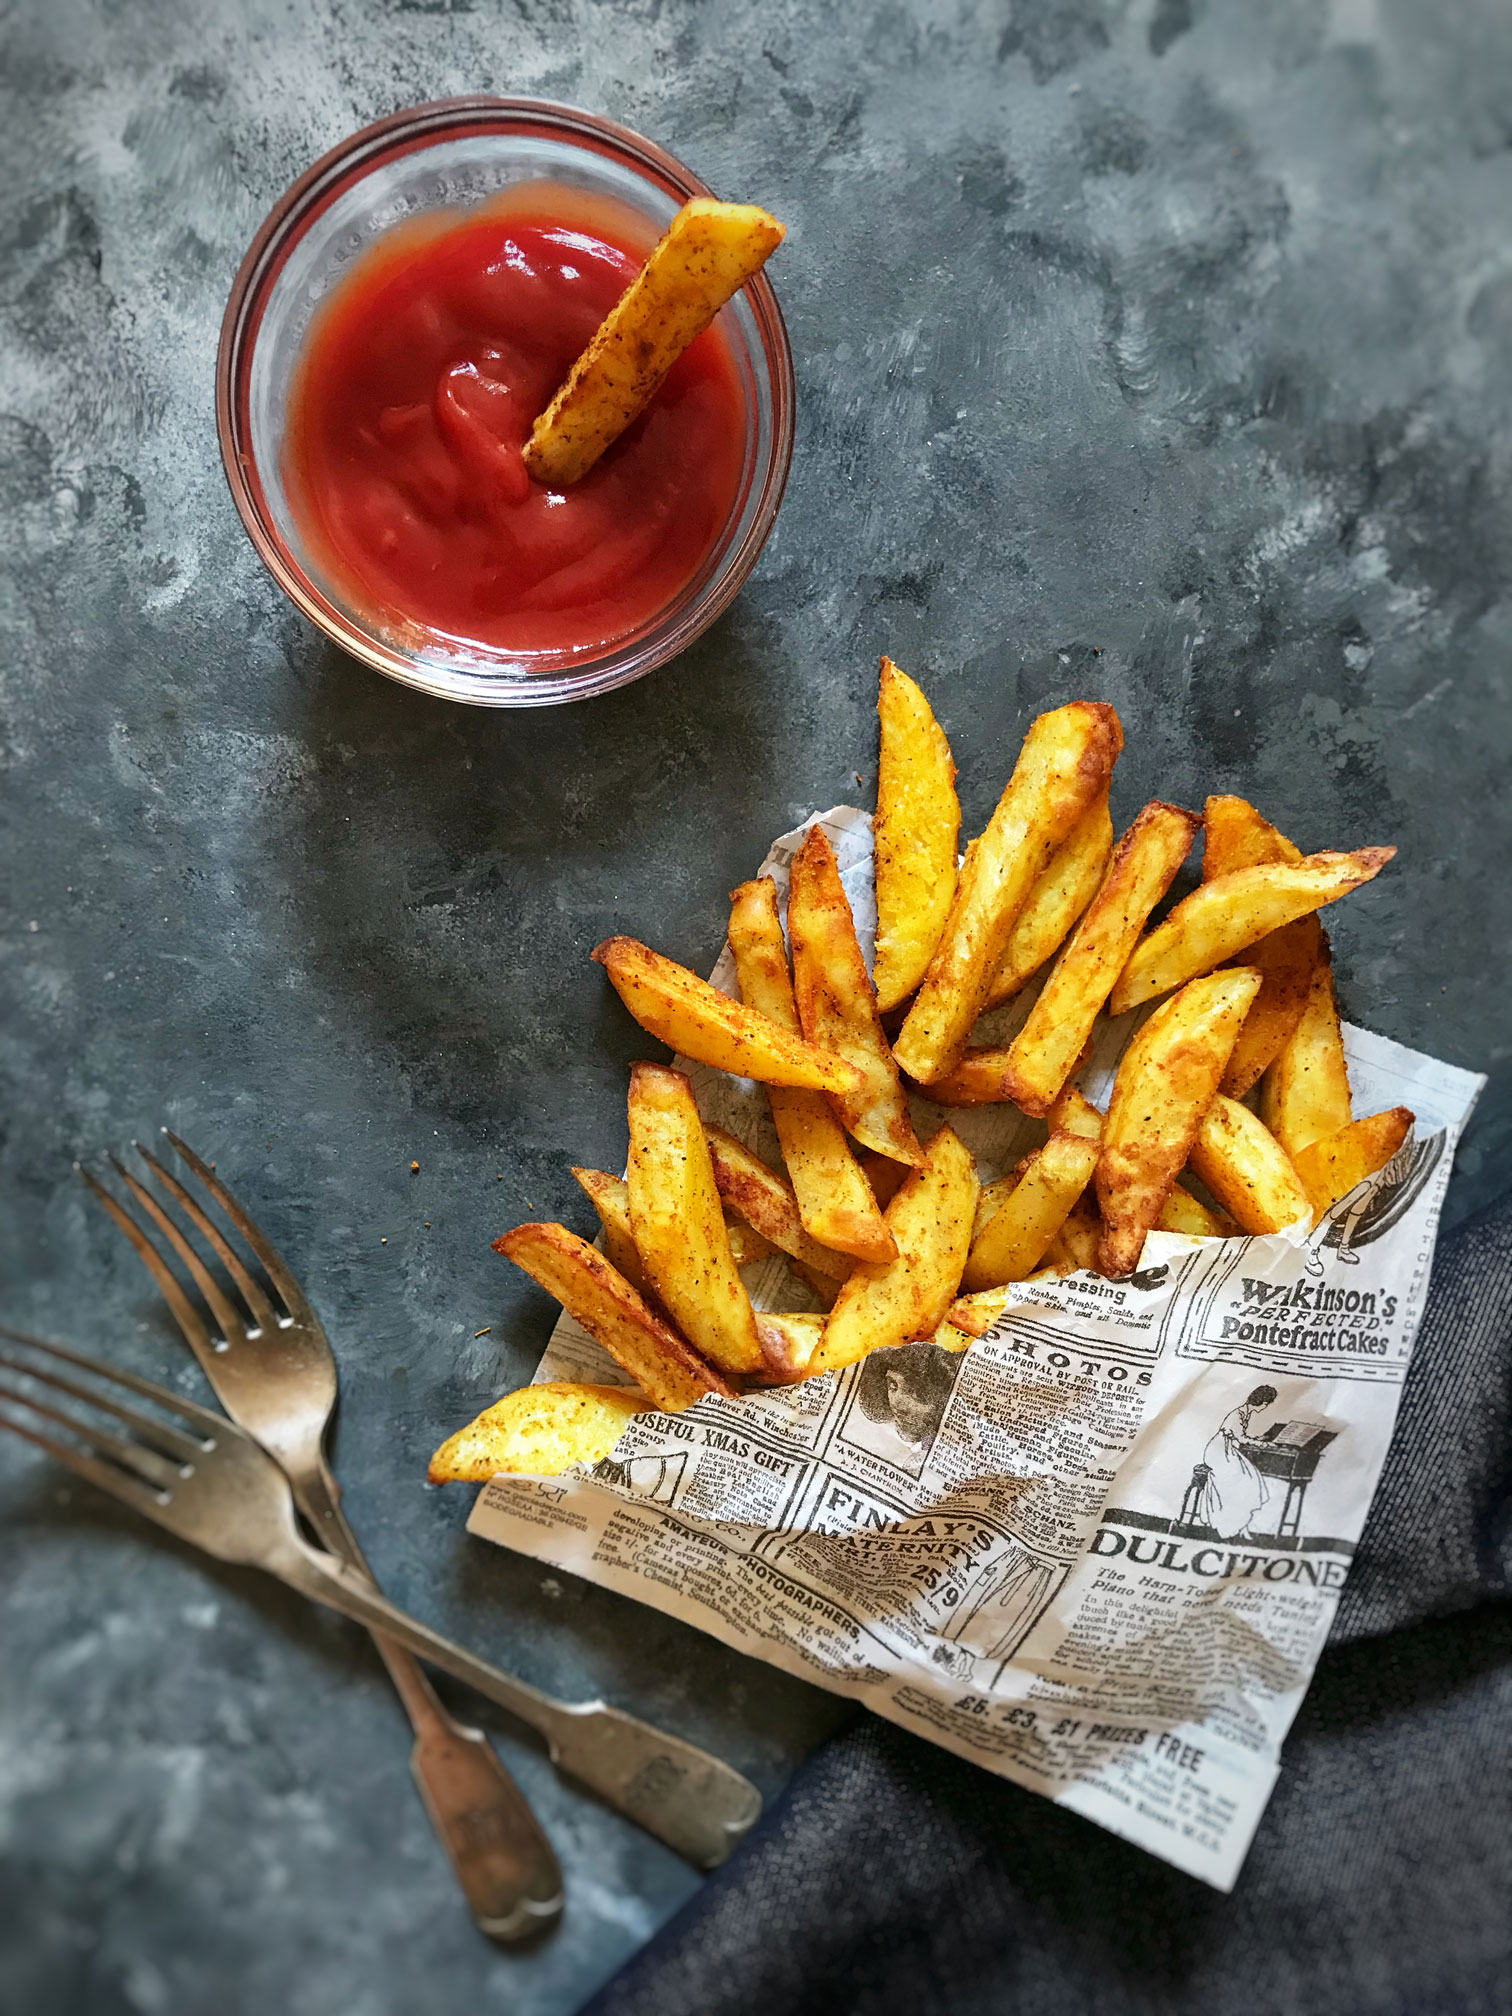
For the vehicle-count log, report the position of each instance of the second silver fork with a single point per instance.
(274, 1373)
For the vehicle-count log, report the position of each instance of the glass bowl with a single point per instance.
(453, 155)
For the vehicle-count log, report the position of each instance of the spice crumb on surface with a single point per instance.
(487, 1327)
(414, 1168)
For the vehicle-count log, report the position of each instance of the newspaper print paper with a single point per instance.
(1099, 1552)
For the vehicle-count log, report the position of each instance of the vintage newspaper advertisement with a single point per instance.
(1098, 1552)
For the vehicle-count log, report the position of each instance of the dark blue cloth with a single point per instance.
(894, 1878)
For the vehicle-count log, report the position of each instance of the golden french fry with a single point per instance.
(1044, 1053)
(1182, 1212)
(1237, 837)
(836, 1005)
(766, 1201)
(678, 1222)
(896, 1301)
(710, 250)
(1065, 763)
(977, 1078)
(1017, 1236)
(1331, 1167)
(1074, 1113)
(1071, 879)
(540, 1431)
(610, 1197)
(700, 1022)
(1305, 1093)
(836, 1203)
(663, 1364)
(974, 1315)
(1165, 1083)
(1223, 917)
(788, 1343)
(1247, 1169)
(886, 1178)
(914, 836)
(747, 1247)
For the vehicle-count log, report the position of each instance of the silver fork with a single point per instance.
(214, 1486)
(274, 1372)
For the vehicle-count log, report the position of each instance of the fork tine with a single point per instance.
(175, 1443)
(187, 1410)
(116, 1482)
(257, 1302)
(145, 1463)
(233, 1328)
(188, 1318)
(278, 1273)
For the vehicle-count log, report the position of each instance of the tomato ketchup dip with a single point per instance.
(415, 391)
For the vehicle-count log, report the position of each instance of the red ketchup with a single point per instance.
(415, 393)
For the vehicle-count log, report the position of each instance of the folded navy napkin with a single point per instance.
(892, 1877)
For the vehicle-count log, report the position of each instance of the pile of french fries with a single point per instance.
(897, 1239)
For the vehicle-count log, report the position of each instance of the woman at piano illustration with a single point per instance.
(1234, 1494)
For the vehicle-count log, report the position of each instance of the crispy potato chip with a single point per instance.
(835, 1201)
(836, 1005)
(540, 1431)
(914, 836)
(766, 1201)
(1247, 1169)
(1225, 916)
(1331, 1168)
(1071, 879)
(678, 1222)
(1305, 1093)
(1166, 1081)
(701, 1023)
(1044, 1053)
(898, 1301)
(1237, 837)
(710, 250)
(1065, 763)
(1017, 1235)
(636, 1336)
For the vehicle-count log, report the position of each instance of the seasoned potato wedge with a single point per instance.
(1305, 1093)
(679, 1225)
(836, 1203)
(709, 251)
(700, 1022)
(540, 1431)
(663, 1364)
(788, 1344)
(895, 1301)
(1247, 1169)
(1184, 1213)
(1073, 1250)
(1017, 1235)
(1074, 1113)
(1237, 837)
(1166, 1081)
(836, 1005)
(886, 1178)
(1043, 1054)
(914, 836)
(766, 1201)
(1330, 1168)
(1071, 879)
(1064, 765)
(1225, 916)
(974, 1315)
(610, 1197)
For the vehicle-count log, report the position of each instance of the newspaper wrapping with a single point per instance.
(1098, 1552)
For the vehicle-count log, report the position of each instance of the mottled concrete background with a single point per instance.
(1159, 350)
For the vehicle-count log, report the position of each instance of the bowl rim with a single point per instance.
(304, 200)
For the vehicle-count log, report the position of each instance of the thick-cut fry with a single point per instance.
(974, 1315)
(610, 1197)
(1305, 1093)
(1017, 1235)
(1237, 837)
(679, 1225)
(1070, 881)
(701, 1023)
(788, 1343)
(1074, 1248)
(1166, 1082)
(836, 1005)
(886, 1178)
(747, 1247)
(709, 252)
(1074, 1113)
(663, 1364)
(896, 1301)
(1223, 917)
(540, 1431)
(1184, 1213)
(1044, 1053)
(975, 1079)
(765, 1200)
(1065, 763)
(914, 836)
(1247, 1169)
(1331, 1168)
(835, 1201)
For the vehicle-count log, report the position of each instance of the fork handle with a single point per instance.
(695, 1803)
(502, 1858)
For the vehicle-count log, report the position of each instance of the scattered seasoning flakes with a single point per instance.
(487, 1327)
(383, 1242)
(414, 1168)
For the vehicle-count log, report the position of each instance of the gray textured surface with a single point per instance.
(1160, 351)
